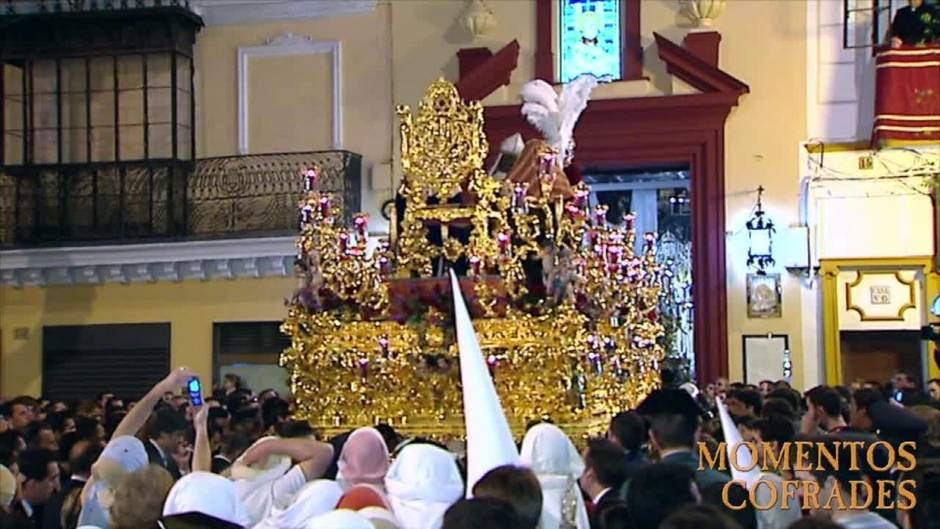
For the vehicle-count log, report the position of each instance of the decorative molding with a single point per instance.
(85, 275)
(57, 276)
(478, 18)
(490, 74)
(910, 303)
(220, 269)
(145, 263)
(245, 268)
(275, 266)
(166, 271)
(702, 13)
(288, 44)
(829, 272)
(112, 274)
(193, 270)
(221, 12)
(139, 273)
(33, 278)
(684, 64)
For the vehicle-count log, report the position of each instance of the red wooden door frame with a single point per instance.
(667, 131)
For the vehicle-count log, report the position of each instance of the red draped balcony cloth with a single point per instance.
(907, 94)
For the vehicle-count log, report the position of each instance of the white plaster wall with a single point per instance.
(882, 212)
(853, 213)
(840, 81)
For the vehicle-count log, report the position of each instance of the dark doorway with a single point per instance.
(878, 355)
(82, 360)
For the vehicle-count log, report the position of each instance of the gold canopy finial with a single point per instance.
(442, 152)
(442, 147)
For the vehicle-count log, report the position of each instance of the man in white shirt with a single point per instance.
(265, 477)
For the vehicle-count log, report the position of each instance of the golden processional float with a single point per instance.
(566, 312)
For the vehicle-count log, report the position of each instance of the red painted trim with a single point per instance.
(661, 131)
(544, 51)
(704, 45)
(632, 48)
(631, 55)
(686, 66)
(490, 74)
(469, 59)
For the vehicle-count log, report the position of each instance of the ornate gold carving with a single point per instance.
(342, 377)
(444, 146)
(442, 152)
(588, 348)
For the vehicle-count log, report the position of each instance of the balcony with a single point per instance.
(238, 219)
(225, 197)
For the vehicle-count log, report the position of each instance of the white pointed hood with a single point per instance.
(489, 439)
(734, 441)
(551, 455)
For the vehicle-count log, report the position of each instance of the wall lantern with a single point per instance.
(760, 232)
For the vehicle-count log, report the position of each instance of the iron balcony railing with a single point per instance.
(231, 196)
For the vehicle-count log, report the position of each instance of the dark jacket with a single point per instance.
(220, 464)
(52, 513)
(18, 513)
(153, 454)
(608, 501)
(703, 478)
(917, 26)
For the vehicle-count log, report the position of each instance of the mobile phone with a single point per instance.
(195, 391)
(899, 395)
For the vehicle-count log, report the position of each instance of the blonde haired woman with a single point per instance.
(138, 501)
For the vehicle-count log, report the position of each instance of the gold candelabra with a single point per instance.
(566, 312)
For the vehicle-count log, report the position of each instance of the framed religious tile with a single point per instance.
(766, 357)
(764, 295)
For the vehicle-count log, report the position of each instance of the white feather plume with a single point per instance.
(538, 91)
(556, 115)
(572, 102)
(542, 119)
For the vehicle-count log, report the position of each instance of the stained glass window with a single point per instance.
(589, 38)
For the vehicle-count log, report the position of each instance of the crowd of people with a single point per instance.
(239, 461)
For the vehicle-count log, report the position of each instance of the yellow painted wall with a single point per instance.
(367, 105)
(367, 108)
(290, 116)
(764, 44)
(191, 307)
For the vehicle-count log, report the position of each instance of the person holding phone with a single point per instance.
(124, 453)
